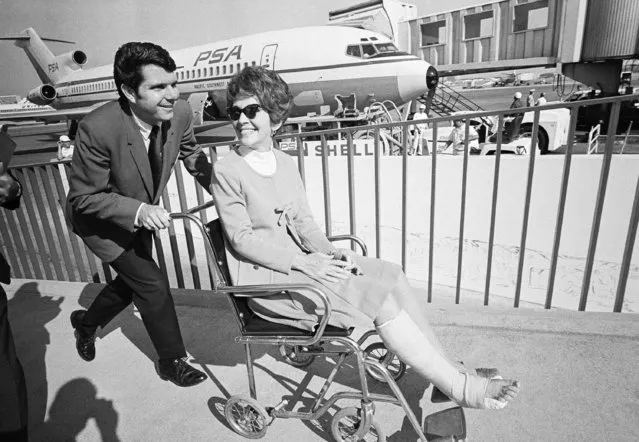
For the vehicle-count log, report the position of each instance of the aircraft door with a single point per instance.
(268, 57)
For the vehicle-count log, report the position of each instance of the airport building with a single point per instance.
(586, 40)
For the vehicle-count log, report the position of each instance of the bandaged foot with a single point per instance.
(490, 373)
(474, 391)
(402, 336)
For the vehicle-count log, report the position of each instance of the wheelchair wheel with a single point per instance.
(378, 352)
(295, 355)
(346, 422)
(246, 416)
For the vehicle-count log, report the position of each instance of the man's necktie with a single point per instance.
(155, 156)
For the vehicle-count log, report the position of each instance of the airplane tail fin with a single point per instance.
(45, 63)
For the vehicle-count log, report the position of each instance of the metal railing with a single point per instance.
(39, 244)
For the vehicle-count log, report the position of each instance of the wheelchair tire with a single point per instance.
(378, 352)
(246, 416)
(294, 355)
(346, 422)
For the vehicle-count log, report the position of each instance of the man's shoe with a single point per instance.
(84, 341)
(180, 372)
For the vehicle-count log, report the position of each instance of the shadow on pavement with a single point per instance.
(30, 311)
(75, 403)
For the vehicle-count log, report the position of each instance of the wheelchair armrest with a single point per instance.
(266, 290)
(356, 239)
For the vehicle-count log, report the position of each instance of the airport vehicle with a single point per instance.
(589, 116)
(328, 68)
(552, 133)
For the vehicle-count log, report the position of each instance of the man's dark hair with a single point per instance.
(132, 57)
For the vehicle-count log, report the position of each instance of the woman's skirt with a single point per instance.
(353, 301)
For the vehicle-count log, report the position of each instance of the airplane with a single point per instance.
(327, 68)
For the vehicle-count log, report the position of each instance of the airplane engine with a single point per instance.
(42, 95)
(74, 59)
(432, 77)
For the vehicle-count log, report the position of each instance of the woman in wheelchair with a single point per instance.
(272, 237)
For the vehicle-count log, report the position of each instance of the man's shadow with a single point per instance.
(208, 333)
(29, 312)
(75, 403)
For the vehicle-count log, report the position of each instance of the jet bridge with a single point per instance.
(586, 40)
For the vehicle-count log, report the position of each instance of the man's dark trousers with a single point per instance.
(141, 281)
(13, 391)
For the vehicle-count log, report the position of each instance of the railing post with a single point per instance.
(493, 210)
(562, 206)
(433, 184)
(524, 227)
(601, 195)
(627, 253)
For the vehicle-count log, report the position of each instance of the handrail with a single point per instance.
(40, 245)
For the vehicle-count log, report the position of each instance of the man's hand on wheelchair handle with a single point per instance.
(153, 217)
(322, 267)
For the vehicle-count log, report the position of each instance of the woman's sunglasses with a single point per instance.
(250, 111)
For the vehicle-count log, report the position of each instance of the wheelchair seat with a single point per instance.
(250, 323)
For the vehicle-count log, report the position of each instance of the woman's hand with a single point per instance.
(350, 257)
(321, 267)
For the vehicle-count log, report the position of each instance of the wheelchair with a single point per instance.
(249, 418)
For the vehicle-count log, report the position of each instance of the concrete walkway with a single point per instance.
(578, 372)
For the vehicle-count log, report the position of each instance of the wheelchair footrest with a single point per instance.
(446, 425)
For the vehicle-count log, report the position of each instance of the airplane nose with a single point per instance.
(412, 82)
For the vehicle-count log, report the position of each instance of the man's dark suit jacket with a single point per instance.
(110, 173)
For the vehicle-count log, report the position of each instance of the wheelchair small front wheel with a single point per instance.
(246, 416)
(389, 360)
(296, 355)
(346, 422)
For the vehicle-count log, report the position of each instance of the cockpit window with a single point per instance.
(354, 51)
(368, 50)
(386, 47)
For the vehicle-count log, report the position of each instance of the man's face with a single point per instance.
(156, 95)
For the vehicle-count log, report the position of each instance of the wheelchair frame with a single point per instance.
(255, 330)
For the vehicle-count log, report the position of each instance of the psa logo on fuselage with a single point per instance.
(219, 55)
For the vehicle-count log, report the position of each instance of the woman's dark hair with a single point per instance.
(132, 57)
(266, 86)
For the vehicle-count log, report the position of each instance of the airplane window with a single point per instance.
(199, 73)
(253, 63)
(353, 50)
(211, 71)
(193, 73)
(369, 50)
(386, 47)
(246, 64)
(239, 67)
(217, 70)
(224, 70)
(230, 69)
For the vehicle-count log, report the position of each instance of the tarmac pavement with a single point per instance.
(577, 370)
